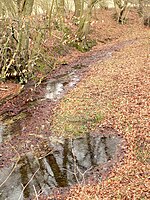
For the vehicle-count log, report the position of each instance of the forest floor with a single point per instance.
(117, 92)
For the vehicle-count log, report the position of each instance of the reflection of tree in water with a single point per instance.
(90, 149)
(27, 171)
(65, 157)
(60, 179)
(24, 176)
(106, 148)
(69, 162)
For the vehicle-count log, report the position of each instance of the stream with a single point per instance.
(46, 162)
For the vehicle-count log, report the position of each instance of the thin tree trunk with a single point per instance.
(121, 7)
(62, 12)
(50, 15)
(140, 9)
(84, 25)
(78, 9)
(24, 12)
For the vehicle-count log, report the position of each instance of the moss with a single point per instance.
(60, 49)
(84, 46)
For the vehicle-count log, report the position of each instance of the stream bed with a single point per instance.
(42, 162)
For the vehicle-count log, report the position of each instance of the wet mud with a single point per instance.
(25, 132)
(32, 109)
(60, 163)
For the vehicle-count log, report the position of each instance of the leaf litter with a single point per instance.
(113, 92)
(119, 89)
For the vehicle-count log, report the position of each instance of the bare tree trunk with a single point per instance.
(50, 15)
(25, 7)
(60, 7)
(24, 13)
(145, 4)
(81, 42)
(84, 25)
(140, 8)
(78, 8)
(121, 7)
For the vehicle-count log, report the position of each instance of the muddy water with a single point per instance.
(1, 132)
(55, 88)
(34, 110)
(31, 110)
(50, 164)
(60, 163)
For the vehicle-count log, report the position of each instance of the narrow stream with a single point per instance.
(55, 88)
(52, 162)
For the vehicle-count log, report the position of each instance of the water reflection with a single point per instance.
(53, 90)
(74, 79)
(56, 88)
(64, 163)
(1, 132)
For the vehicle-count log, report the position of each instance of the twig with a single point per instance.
(76, 169)
(36, 195)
